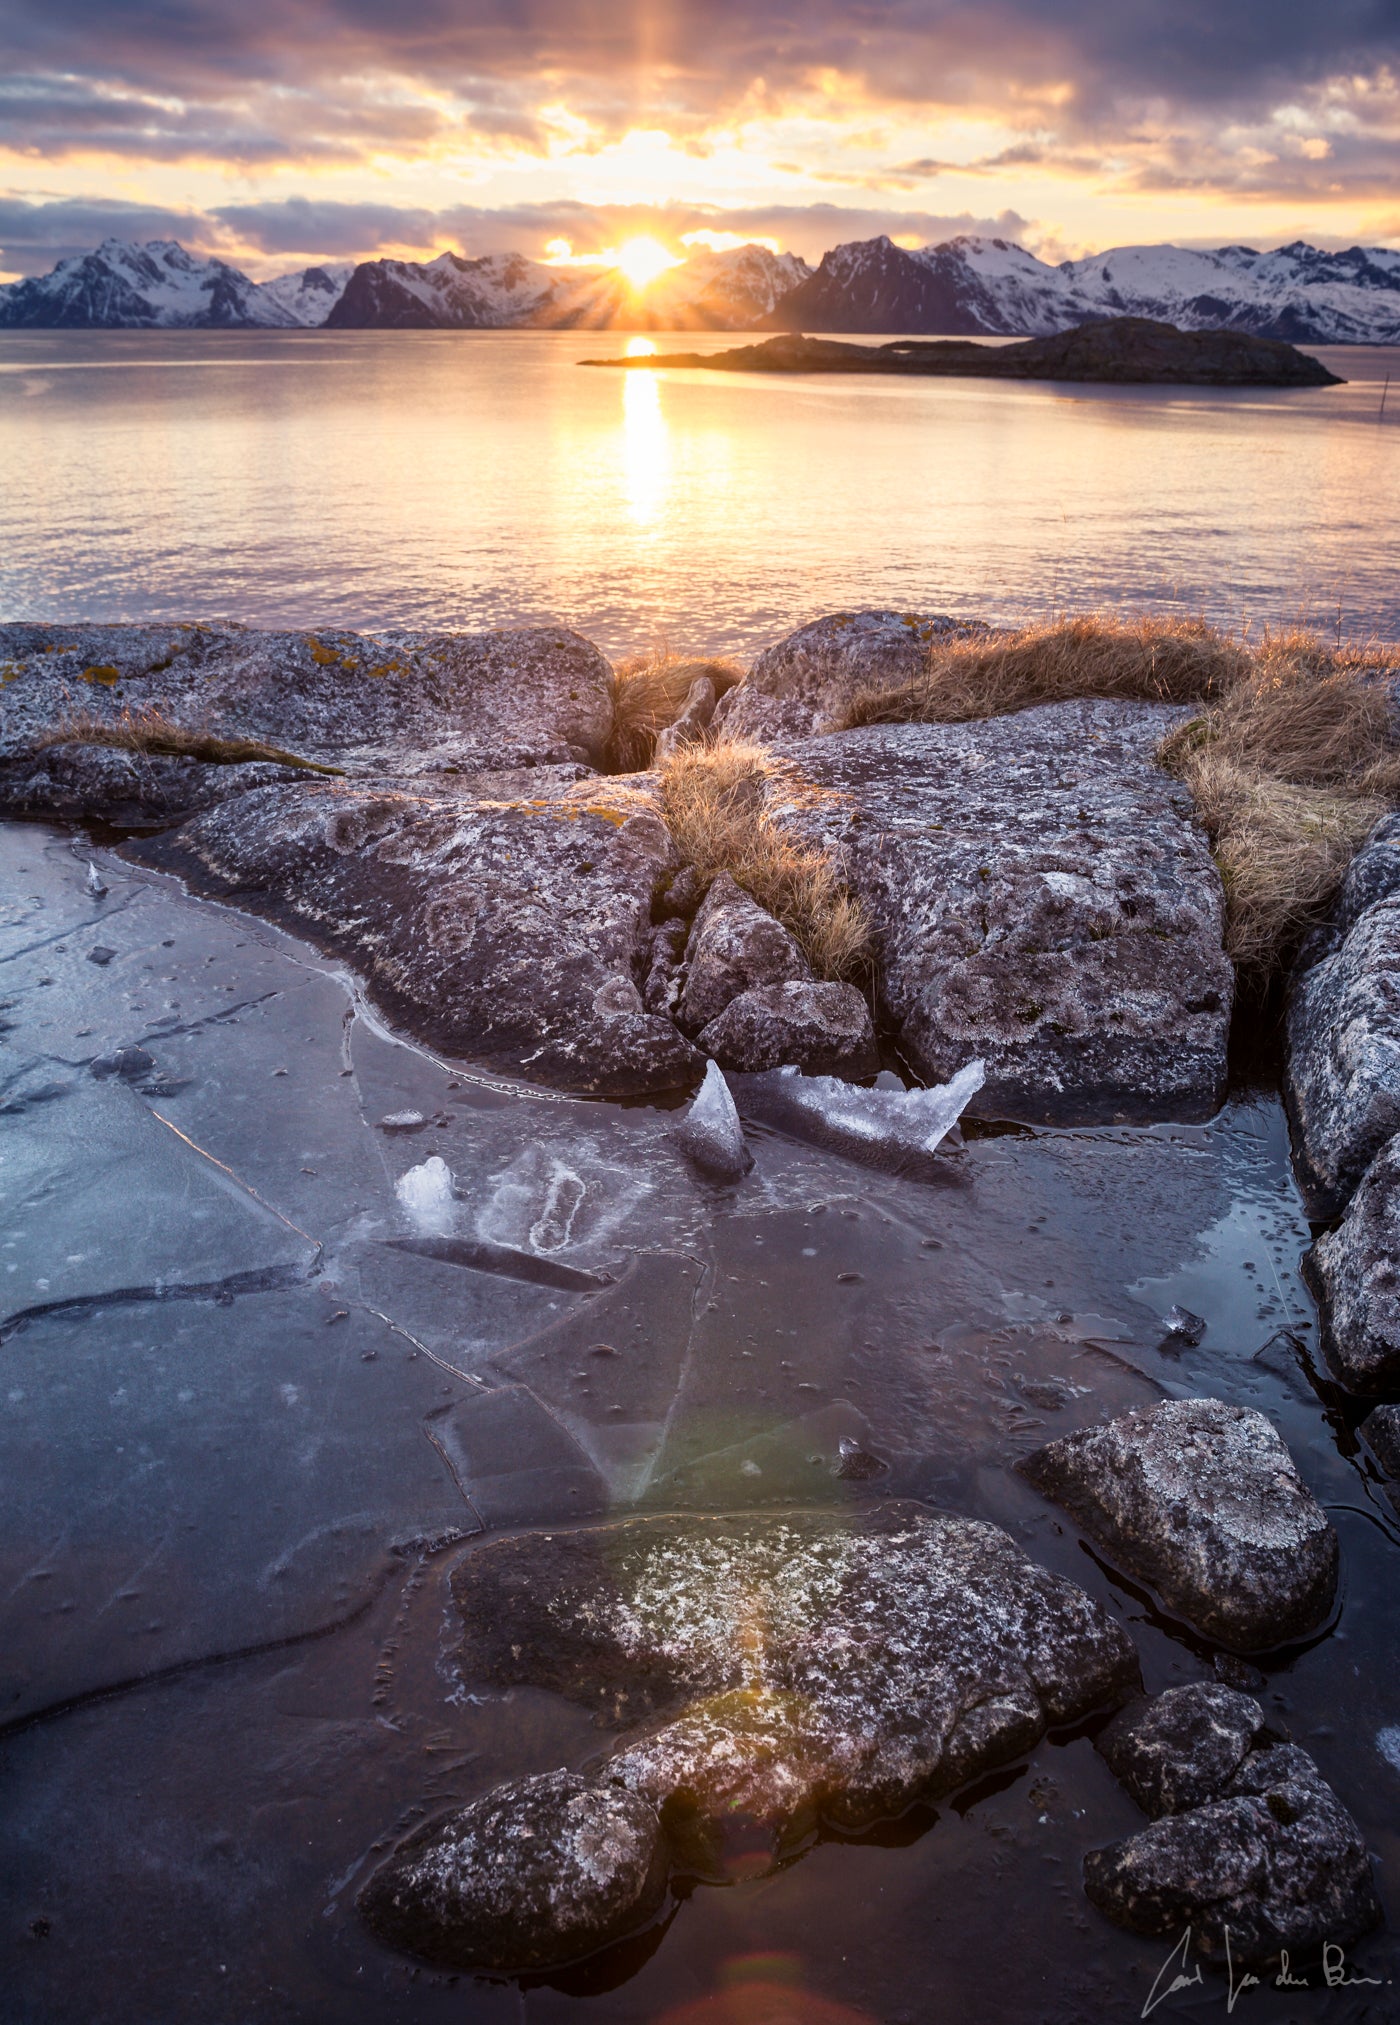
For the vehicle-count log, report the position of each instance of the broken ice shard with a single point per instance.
(711, 1133)
(426, 1194)
(896, 1129)
(1186, 1327)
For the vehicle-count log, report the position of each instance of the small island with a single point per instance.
(1126, 350)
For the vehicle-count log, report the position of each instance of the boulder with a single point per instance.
(788, 1668)
(1355, 1271)
(400, 702)
(825, 1029)
(690, 726)
(135, 790)
(1372, 875)
(1342, 1081)
(1381, 1430)
(805, 682)
(1041, 896)
(734, 945)
(1182, 1747)
(1202, 1502)
(509, 932)
(536, 1874)
(1273, 1862)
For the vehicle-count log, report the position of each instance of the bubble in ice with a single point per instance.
(710, 1131)
(426, 1194)
(895, 1128)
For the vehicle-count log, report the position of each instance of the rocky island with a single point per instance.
(1117, 350)
(689, 1016)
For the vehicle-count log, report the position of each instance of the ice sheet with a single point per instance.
(896, 1129)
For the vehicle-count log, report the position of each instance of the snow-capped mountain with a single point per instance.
(310, 296)
(158, 285)
(709, 291)
(968, 286)
(963, 287)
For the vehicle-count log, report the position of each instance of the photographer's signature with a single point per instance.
(1177, 1973)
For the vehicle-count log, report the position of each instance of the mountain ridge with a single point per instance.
(963, 287)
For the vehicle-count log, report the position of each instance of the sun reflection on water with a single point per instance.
(646, 441)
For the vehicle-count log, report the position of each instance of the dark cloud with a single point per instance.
(685, 60)
(34, 236)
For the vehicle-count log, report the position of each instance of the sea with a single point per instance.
(461, 480)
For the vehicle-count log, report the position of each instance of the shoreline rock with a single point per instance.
(1202, 1501)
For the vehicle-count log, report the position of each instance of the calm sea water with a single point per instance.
(468, 479)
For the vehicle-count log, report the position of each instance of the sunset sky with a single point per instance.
(276, 131)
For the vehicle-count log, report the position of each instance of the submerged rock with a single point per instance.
(1356, 1272)
(1182, 1747)
(396, 703)
(822, 1029)
(1202, 1501)
(710, 1131)
(836, 1666)
(536, 1874)
(1343, 1074)
(807, 681)
(1042, 896)
(1271, 1861)
(511, 932)
(734, 945)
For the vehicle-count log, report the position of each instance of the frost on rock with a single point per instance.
(897, 1129)
(777, 1671)
(426, 1194)
(711, 1133)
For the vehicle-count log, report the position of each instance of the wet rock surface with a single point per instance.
(1183, 1747)
(1202, 1501)
(1042, 897)
(822, 1029)
(734, 946)
(1272, 1861)
(826, 1666)
(530, 1876)
(509, 931)
(395, 703)
(1381, 1428)
(805, 682)
(1343, 1073)
(1356, 1270)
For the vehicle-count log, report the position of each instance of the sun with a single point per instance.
(640, 261)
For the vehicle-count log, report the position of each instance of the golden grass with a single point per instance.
(649, 694)
(1290, 769)
(1291, 762)
(1145, 660)
(713, 800)
(148, 731)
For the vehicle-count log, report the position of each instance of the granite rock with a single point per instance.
(1342, 1081)
(1355, 1270)
(1182, 1747)
(536, 1874)
(734, 945)
(788, 1668)
(1201, 1501)
(1041, 896)
(400, 702)
(824, 1029)
(1381, 1429)
(805, 682)
(1274, 1862)
(73, 783)
(689, 727)
(508, 932)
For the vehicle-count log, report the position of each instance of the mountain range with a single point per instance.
(963, 287)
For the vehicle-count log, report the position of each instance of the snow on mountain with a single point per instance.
(967, 286)
(158, 286)
(310, 296)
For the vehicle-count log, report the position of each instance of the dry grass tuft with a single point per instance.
(149, 731)
(1290, 769)
(649, 694)
(713, 800)
(1144, 660)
